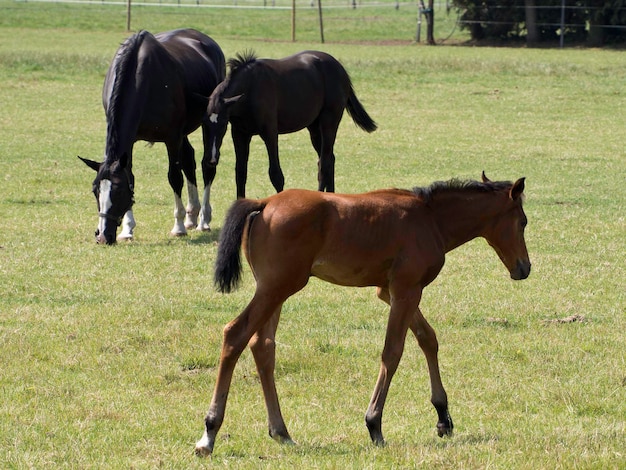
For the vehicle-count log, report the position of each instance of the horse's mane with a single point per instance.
(125, 62)
(439, 187)
(241, 61)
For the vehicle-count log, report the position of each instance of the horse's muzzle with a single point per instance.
(521, 271)
(103, 239)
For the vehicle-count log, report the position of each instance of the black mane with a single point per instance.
(125, 64)
(241, 61)
(455, 184)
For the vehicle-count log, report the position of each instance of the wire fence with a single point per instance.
(453, 13)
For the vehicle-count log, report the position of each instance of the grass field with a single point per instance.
(108, 354)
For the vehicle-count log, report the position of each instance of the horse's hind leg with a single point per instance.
(237, 334)
(427, 340)
(263, 347)
(209, 170)
(188, 163)
(175, 177)
(323, 138)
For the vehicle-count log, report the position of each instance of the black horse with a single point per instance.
(156, 90)
(268, 97)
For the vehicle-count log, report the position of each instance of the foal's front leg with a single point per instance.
(427, 340)
(275, 171)
(399, 318)
(241, 142)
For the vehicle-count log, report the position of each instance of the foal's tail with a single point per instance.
(228, 263)
(358, 114)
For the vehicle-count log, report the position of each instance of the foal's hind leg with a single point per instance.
(237, 334)
(427, 340)
(263, 347)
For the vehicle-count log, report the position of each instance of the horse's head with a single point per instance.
(216, 122)
(506, 233)
(113, 188)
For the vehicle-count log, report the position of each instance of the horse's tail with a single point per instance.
(228, 264)
(358, 114)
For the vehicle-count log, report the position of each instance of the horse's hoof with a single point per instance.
(284, 440)
(204, 447)
(178, 234)
(203, 451)
(444, 429)
(203, 228)
(125, 237)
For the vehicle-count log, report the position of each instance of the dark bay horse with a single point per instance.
(393, 239)
(269, 97)
(156, 90)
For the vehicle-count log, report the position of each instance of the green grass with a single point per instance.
(109, 353)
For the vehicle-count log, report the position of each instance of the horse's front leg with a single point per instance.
(128, 225)
(397, 326)
(263, 347)
(241, 142)
(270, 138)
(427, 340)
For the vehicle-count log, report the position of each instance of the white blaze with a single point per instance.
(105, 202)
(213, 118)
(214, 153)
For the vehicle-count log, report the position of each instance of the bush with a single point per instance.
(596, 21)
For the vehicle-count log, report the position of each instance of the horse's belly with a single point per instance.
(354, 275)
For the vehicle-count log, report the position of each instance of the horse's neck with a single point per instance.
(462, 216)
(123, 120)
(124, 106)
(120, 140)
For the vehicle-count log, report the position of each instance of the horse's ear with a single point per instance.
(90, 163)
(517, 189)
(233, 99)
(485, 179)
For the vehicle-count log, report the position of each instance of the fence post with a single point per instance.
(319, 7)
(128, 15)
(562, 38)
(293, 20)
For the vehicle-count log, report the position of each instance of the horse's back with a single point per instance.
(201, 59)
(296, 89)
(328, 71)
(165, 82)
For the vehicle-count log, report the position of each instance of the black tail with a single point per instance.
(358, 114)
(228, 263)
